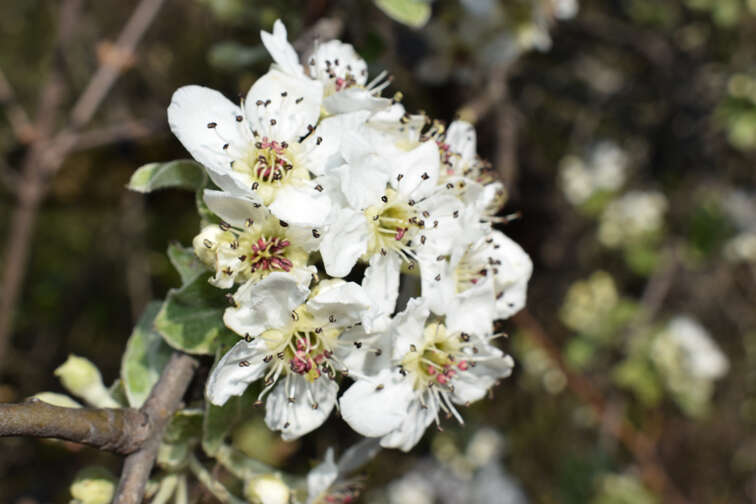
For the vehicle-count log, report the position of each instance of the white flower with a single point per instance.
(433, 366)
(605, 170)
(255, 151)
(389, 205)
(251, 243)
(336, 65)
(689, 361)
(633, 217)
(291, 336)
(488, 280)
(325, 487)
(697, 352)
(465, 172)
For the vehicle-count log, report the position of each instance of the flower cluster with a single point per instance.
(330, 198)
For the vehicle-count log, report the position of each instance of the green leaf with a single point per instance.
(184, 426)
(220, 420)
(186, 262)
(232, 56)
(414, 13)
(145, 357)
(182, 173)
(191, 318)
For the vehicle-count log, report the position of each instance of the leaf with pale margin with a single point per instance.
(145, 357)
(413, 13)
(220, 420)
(191, 318)
(185, 262)
(182, 174)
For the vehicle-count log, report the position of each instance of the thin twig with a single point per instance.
(496, 89)
(126, 131)
(114, 63)
(211, 484)
(636, 442)
(163, 402)
(120, 430)
(18, 119)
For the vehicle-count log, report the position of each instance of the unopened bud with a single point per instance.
(93, 485)
(83, 379)
(267, 489)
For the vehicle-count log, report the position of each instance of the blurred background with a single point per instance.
(625, 131)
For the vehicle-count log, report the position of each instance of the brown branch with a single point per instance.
(46, 156)
(17, 117)
(163, 402)
(120, 430)
(636, 442)
(121, 132)
(496, 89)
(114, 62)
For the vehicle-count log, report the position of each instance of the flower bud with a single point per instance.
(267, 489)
(93, 485)
(83, 379)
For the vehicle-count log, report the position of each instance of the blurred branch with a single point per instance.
(114, 60)
(163, 402)
(506, 142)
(121, 132)
(17, 117)
(46, 154)
(117, 430)
(636, 442)
(496, 90)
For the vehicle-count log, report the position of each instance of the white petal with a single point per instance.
(474, 309)
(419, 169)
(321, 477)
(336, 59)
(296, 406)
(235, 209)
(364, 361)
(266, 304)
(460, 135)
(343, 302)
(354, 99)
(439, 294)
(229, 378)
(381, 283)
(192, 110)
(412, 428)
(472, 385)
(301, 205)
(274, 109)
(280, 50)
(408, 327)
(324, 144)
(376, 407)
(344, 242)
(511, 276)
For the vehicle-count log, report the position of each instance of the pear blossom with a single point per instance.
(336, 65)
(466, 172)
(291, 335)
(434, 365)
(263, 150)
(324, 487)
(251, 242)
(487, 281)
(389, 204)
